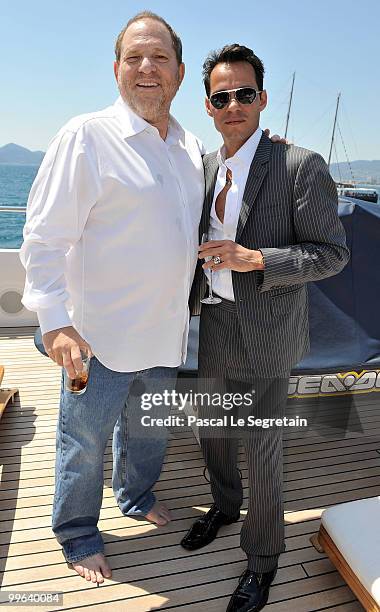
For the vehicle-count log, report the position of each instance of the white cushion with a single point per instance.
(355, 530)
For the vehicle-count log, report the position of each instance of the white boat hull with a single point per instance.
(12, 279)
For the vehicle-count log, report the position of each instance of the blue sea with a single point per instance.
(15, 184)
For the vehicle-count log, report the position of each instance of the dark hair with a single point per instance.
(228, 55)
(176, 41)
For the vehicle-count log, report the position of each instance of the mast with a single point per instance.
(333, 132)
(290, 104)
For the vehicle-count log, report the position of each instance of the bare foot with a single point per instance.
(94, 568)
(159, 514)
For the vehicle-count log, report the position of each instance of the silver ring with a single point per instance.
(216, 260)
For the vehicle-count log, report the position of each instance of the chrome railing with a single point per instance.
(16, 209)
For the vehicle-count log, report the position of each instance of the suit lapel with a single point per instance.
(211, 172)
(256, 175)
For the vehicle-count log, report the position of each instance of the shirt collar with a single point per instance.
(132, 124)
(245, 154)
(176, 133)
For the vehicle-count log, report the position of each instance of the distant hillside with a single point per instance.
(364, 171)
(14, 154)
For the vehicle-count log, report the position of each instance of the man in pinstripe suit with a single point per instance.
(271, 212)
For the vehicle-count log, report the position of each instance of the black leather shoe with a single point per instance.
(204, 530)
(252, 592)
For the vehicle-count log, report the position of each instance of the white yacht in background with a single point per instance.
(351, 190)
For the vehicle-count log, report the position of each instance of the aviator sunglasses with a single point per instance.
(244, 95)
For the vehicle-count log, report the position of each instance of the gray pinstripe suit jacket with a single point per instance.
(289, 211)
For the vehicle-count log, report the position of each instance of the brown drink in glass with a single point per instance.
(78, 384)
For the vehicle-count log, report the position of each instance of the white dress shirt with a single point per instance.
(239, 165)
(111, 236)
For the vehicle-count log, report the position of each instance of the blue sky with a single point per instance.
(56, 61)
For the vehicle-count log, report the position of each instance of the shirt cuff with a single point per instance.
(54, 317)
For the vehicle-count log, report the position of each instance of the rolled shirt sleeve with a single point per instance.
(63, 193)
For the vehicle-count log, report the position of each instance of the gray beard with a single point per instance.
(150, 111)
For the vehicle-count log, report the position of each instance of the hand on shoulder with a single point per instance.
(276, 137)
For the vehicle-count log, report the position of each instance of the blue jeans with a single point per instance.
(112, 401)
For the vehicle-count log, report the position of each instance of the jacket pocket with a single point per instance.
(287, 301)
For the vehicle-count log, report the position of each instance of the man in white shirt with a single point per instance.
(110, 248)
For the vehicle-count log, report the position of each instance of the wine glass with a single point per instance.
(211, 299)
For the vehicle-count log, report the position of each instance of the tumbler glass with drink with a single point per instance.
(78, 384)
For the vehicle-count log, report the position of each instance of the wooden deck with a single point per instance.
(150, 570)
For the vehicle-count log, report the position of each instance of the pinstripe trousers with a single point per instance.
(224, 367)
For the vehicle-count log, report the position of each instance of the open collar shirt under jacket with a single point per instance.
(111, 236)
(239, 164)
